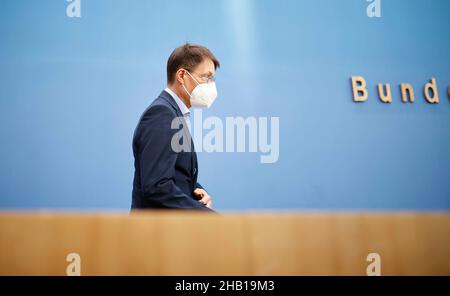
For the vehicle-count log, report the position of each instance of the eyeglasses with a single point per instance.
(205, 77)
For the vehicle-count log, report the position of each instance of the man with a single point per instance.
(166, 164)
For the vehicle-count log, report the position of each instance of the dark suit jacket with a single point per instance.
(163, 178)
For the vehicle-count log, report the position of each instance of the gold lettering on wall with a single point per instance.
(407, 92)
(431, 86)
(385, 97)
(359, 86)
(361, 92)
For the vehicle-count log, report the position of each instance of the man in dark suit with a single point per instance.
(164, 155)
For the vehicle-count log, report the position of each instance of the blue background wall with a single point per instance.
(72, 91)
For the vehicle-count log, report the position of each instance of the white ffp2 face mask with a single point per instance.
(203, 95)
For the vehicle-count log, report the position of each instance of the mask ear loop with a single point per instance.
(190, 95)
(198, 83)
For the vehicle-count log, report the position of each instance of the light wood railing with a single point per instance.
(184, 243)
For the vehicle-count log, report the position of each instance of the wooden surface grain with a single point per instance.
(185, 243)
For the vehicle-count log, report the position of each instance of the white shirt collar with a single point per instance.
(183, 108)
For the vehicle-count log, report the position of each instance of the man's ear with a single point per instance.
(180, 75)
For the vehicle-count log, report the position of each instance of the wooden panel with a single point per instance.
(319, 244)
(183, 243)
